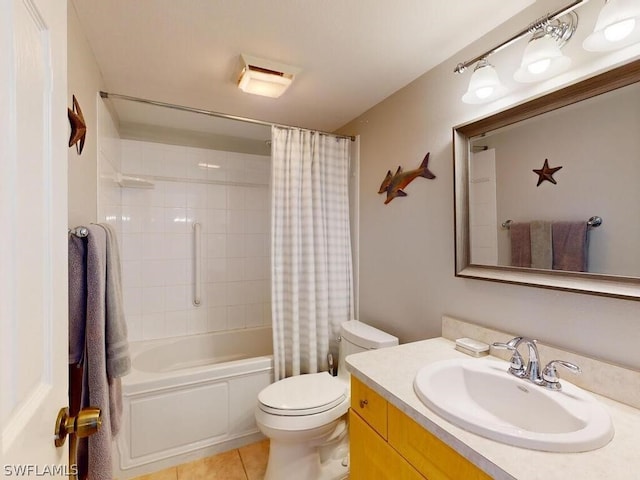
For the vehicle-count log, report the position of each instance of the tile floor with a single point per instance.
(245, 463)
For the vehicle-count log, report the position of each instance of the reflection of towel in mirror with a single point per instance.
(520, 245)
(541, 249)
(570, 247)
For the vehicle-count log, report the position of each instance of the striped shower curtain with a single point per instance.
(311, 268)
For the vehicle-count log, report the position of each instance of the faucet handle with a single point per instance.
(510, 345)
(550, 373)
(517, 363)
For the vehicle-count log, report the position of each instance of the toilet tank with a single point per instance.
(359, 337)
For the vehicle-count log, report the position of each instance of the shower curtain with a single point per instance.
(311, 267)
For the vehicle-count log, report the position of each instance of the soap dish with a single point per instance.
(472, 347)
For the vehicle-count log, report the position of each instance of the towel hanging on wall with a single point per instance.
(97, 340)
(570, 246)
(541, 246)
(520, 245)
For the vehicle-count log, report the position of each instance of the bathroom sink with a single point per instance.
(480, 396)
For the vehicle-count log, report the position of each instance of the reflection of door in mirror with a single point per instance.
(483, 220)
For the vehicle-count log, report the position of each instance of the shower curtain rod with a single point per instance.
(213, 114)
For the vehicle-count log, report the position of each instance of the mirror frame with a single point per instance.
(581, 282)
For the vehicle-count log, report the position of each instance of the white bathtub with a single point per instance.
(191, 397)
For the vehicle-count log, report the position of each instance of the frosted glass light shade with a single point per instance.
(261, 76)
(267, 84)
(542, 59)
(618, 25)
(484, 85)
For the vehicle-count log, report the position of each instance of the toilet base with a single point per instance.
(308, 460)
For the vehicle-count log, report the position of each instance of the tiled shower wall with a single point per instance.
(228, 194)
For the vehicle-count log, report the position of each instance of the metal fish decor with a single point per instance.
(393, 184)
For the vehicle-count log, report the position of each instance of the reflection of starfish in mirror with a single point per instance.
(546, 173)
(78, 126)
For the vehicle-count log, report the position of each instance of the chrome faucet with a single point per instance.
(547, 377)
(532, 370)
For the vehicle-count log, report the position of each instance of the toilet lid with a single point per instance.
(303, 394)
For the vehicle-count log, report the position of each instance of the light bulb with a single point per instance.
(620, 30)
(540, 66)
(484, 92)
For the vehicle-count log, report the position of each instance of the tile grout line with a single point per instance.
(246, 475)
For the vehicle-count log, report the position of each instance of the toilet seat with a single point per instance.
(302, 395)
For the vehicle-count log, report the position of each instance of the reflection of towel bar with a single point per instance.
(593, 222)
(79, 231)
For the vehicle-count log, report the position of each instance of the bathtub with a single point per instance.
(191, 397)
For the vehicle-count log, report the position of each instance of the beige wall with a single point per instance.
(84, 81)
(407, 247)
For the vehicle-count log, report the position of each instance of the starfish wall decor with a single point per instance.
(78, 126)
(546, 173)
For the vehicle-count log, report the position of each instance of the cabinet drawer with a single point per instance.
(370, 406)
(371, 458)
(428, 454)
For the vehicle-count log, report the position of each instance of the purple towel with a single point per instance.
(570, 250)
(94, 452)
(77, 298)
(520, 245)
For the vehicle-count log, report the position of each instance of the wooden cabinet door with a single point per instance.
(427, 453)
(371, 458)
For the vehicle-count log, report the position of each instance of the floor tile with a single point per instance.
(254, 458)
(225, 466)
(168, 474)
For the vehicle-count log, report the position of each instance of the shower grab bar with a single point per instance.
(196, 264)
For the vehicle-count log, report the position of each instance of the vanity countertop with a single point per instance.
(391, 371)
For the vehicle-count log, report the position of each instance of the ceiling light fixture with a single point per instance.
(618, 26)
(265, 77)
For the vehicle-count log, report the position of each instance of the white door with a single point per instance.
(33, 237)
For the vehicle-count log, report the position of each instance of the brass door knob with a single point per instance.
(87, 422)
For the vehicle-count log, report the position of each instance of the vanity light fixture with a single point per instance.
(484, 84)
(618, 26)
(265, 77)
(542, 57)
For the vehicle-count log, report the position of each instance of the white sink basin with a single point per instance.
(480, 396)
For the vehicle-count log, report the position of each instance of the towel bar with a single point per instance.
(79, 231)
(593, 222)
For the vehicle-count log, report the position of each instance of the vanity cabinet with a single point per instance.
(387, 444)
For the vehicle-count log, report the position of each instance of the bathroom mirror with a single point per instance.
(592, 130)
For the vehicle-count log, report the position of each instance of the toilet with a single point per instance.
(305, 417)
